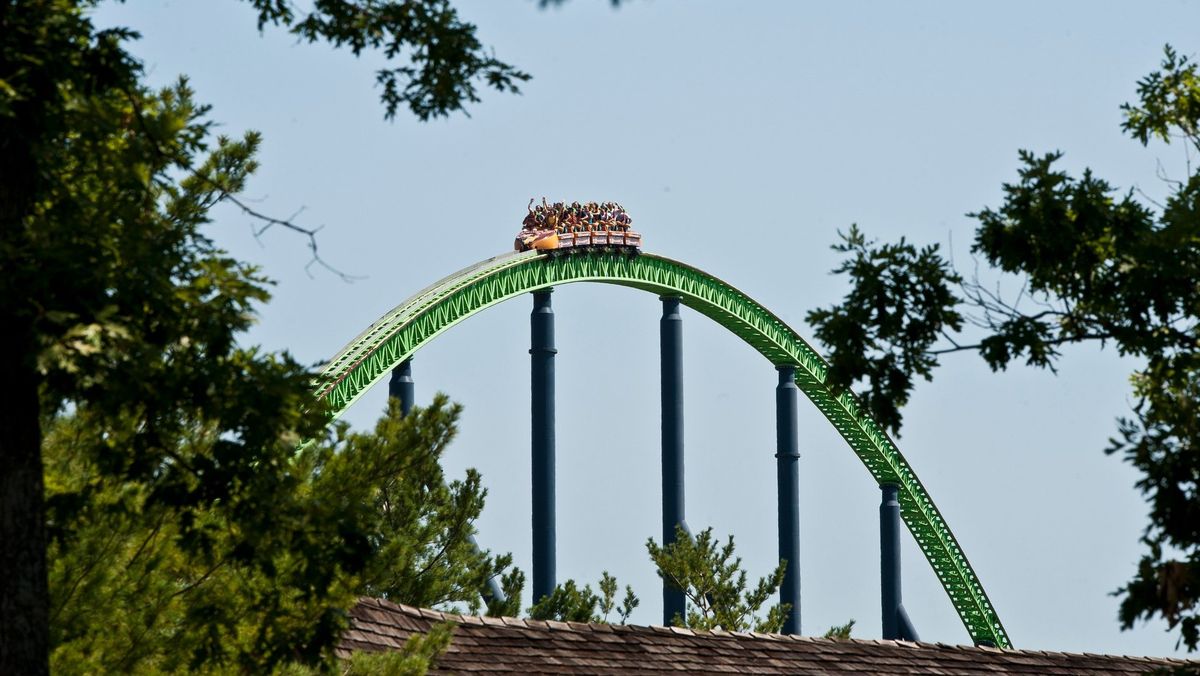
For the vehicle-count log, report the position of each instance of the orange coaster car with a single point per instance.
(541, 240)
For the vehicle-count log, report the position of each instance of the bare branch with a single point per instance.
(289, 223)
(1061, 340)
(1148, 198)
(222, 194)
(1161, 172)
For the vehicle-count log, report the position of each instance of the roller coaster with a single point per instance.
(392, 340)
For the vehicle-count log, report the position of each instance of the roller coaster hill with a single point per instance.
(593, 242)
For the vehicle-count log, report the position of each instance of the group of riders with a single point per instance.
(576, 217)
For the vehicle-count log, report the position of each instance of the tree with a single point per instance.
(569, 603)
(1093, 265)
(115, 300)
(840, 631)
(445, 58)
(714, 583)
(364, 513)
(420, 525)
(412, 659)
(139, 584)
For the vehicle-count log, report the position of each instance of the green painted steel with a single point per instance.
(423, 317)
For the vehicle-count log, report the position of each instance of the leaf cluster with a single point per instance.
(1162, 440)
(899, 305)
(412, 659)
(716, 587)
(1098, 267)
(141, 585)
(421, 526)
(569, 603)
(840, 631)
(441, 57)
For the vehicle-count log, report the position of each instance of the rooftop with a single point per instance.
(488, 644)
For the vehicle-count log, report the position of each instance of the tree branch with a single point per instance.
(269, 221)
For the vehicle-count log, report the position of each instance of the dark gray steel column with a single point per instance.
(541, 324)
(896, 624)
(671, 348)
(401, 386)
(889, 559)
(787, 462)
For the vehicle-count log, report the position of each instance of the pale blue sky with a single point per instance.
(741, 137)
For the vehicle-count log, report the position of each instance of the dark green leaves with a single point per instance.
(711, 577)
(840, 631)
(900, 303)
(569, 603)
(441, 58)
(143, 580)
(1162, 440)
(419, 525)
(1169, 102)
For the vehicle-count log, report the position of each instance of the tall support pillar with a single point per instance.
(889, 559)
(401, 386)
(896, 624)
(671, 348)
(787, 462)
(541, 323)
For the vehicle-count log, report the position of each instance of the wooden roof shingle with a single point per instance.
(512, 645)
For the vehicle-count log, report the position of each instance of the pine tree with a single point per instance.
(712, 579)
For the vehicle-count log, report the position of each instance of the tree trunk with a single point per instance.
(24, 597)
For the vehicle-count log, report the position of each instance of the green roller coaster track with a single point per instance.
(401, 332)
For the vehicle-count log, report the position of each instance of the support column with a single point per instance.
(492, 592)
(889, 559)
(787, 462)
(671, 349)
(896, 624)
(401, 386)
(541, 324)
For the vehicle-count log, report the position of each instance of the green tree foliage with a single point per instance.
(115, 300)
(715, 585)
(442, 57)
(1094, 264)
(413, 659)
(420, 525)
(138, 584)
(569, 603)
(134, 590)
(899, 305)
(840, 631)
(512, 584)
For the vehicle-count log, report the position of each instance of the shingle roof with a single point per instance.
(486, 644)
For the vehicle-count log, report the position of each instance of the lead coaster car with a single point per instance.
(542, 239)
